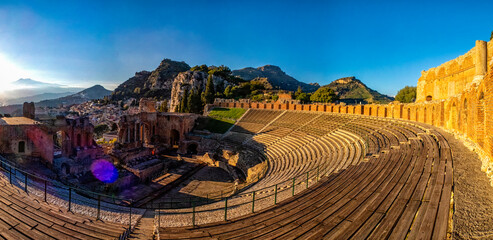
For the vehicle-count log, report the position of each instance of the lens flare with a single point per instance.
(104, 171)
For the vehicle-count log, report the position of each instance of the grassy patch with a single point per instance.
(228, 113)
(220, 119)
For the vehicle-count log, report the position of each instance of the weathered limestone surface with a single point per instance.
(186, 81)
(452, 77)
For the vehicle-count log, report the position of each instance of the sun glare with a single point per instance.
(9, 72)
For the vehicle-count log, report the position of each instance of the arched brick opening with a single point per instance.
(432, 115)
(442, 114)
(452, 121)
(174, 137)
(463, 118)
(22, 147)
(425, 115)
(480, 120)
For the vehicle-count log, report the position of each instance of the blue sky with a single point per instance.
(386, 44)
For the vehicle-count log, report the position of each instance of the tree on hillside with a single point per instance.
(184, 102)
(298, 92)
(209, 90)
(406, 95)
(194, 102)
(227, 92)
(221, 71)
(324, 95)
(220, 89)
(201, 68)
(100, 129)
(303, 97)
(164, 106)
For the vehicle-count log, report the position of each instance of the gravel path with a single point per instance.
(473, 195)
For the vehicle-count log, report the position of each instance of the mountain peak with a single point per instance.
(353, 90)
(275, 77)
(94, 92)
(33, 83)
(270, 68)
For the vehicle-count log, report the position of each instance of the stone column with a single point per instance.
(480, 60)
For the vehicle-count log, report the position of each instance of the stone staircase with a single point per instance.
(145, 227)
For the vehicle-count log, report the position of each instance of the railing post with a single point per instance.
(99, 207)
(70, 199)
(275, 195)
(45, 190)
(253, 202)
(294, 179)
(25, 182)
(226, 209)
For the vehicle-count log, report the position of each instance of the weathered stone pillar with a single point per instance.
(480, 60)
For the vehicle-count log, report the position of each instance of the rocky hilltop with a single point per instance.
(275, 77)
(352, 90)
(186, 81)
(155, 84)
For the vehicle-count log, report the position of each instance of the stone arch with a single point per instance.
(78, 140)
(429, 98)
(479, 125)
(174, 137)
(452, 119)
(88, 140)
(432, 115)
(425, 115)
(463, 116)
(408, 113)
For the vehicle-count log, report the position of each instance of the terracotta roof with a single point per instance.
(17, 121)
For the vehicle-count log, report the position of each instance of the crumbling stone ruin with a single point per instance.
(66, 145)
(28, 110)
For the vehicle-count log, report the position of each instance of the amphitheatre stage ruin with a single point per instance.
(307, 171)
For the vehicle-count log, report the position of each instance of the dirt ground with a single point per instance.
(473, 195)
(207, 180)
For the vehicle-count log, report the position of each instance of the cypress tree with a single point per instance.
(184, 101)
(209, 91)
(164, 106)
(190, 105)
